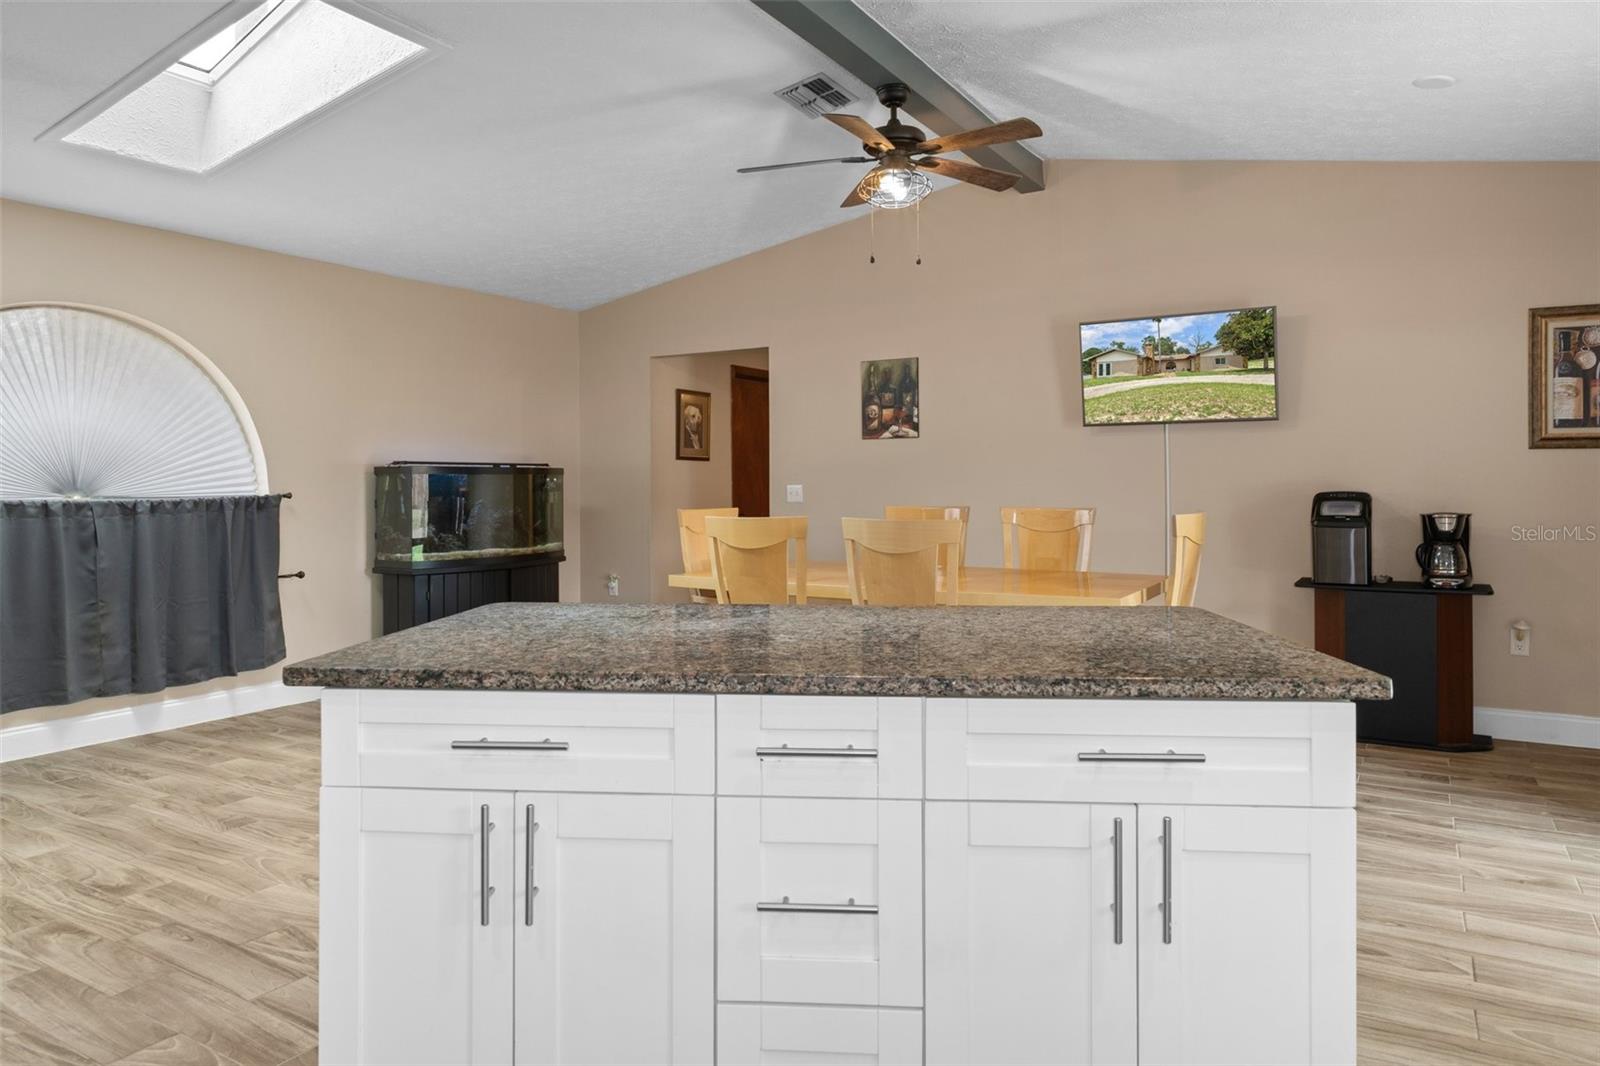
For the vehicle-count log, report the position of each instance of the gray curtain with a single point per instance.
(105, 597)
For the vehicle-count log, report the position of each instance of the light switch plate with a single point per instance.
(797, 494)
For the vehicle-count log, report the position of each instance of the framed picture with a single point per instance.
(890, 399)
(1564, 377)
(694, 425)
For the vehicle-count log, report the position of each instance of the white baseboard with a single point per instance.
(119, 723)
(1538, 727)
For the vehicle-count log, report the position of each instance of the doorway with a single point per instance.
(748, 441)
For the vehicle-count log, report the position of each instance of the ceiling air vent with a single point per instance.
(816, 95)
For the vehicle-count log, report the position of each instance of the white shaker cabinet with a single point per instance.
(614, 949)
(751, 1034)
(1258, 962)
(1033, 937)
(416, 960)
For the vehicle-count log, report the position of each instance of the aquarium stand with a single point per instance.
(413, 595)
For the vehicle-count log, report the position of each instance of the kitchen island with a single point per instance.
(689, 833)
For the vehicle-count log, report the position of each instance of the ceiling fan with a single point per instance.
(902, 152)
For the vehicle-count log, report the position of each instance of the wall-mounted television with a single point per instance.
(1213, 366)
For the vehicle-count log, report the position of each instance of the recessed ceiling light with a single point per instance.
(1434, 81)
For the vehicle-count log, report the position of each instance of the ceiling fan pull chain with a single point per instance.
(918, 210)
(872, 234)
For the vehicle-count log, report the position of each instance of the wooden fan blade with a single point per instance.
(998, 180)
(803, 163)
(855, 199)
(1018, 129)
(862, 129)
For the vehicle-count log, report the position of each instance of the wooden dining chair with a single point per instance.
(1046, 538)
(692, 542)
(750, 558)
(902, 513)
(1189, 536)
(897, 563)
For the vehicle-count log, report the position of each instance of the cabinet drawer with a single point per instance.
(749, 1033)
(847, 746)
(819, 901)
(529, 741)
(1137, 751)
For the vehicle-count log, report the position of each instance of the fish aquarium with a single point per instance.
(453, 514)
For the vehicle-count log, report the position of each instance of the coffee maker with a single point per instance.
(1446, 536)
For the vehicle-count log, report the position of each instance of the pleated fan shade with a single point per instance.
(93, 405)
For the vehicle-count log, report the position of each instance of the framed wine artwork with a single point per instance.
(1564, 377)
(891, 404)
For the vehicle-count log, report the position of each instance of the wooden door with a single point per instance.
(416, 958)
(1258, 965)
(747, 437)
(1028, 961)
(614, 957)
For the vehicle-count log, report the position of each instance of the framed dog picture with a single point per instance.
(1564, 377)
(694, 425)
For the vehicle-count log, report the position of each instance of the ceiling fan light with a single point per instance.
(894, 187)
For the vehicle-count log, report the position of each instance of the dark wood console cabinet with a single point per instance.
(414, 596)
(1422, 638)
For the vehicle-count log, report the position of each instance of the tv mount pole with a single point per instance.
(1166, 467)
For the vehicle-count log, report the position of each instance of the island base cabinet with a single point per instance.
(1246, 935)
(614, 949)
(751, 1033)
(434, 950)
(1032, 944)
(416, 960)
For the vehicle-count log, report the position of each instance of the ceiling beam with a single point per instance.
(851, 38)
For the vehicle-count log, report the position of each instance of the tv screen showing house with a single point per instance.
(1214, 366)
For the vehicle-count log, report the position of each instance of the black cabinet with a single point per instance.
(1421, 637)
(412, 597)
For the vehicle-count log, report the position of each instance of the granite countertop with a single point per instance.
(1061, 652)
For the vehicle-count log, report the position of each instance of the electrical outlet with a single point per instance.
(1520, 640)
(613, 585)
(797, 494)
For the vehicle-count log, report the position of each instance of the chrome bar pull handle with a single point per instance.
(485, 744)
(1116, 880)
(1141, 756)
(533, 889)
(484, 828)
(850, 907)
(784, 751)
(1166, 880)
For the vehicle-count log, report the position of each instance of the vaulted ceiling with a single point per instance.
(570, 153)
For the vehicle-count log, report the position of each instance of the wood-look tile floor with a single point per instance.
(158, 901)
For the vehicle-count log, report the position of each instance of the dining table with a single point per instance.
(982, 586)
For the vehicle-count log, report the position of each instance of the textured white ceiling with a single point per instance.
(566, 153)
(1311, 80)
(571, 153)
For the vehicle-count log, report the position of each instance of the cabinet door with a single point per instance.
(1258, 962)
(614, 954)
(1029, 960)
(749, 1034)
(416, 951)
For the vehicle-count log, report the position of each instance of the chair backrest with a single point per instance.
(1189, 536)
(1046, 538)
(902, 513)
(750, 558)
(897, 564)
(693, 544)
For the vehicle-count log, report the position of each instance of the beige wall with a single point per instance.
(341, 369)
(674, 482)
(1402, 293)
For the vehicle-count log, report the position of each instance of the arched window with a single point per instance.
(97, 404)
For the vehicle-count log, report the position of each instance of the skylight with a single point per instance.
(276, 67)
(205, 62)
